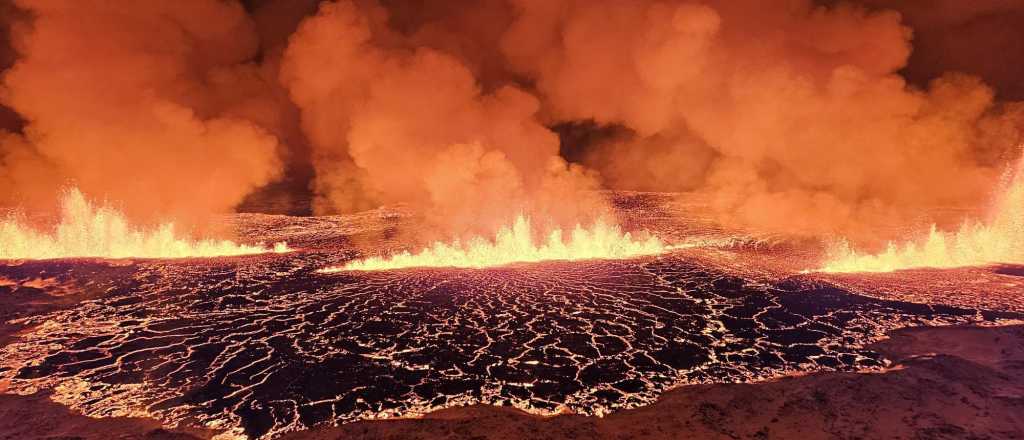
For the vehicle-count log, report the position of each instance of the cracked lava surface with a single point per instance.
(262, 345)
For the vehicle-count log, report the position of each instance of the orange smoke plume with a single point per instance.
(392, 122)
(135, 102)
(792, 117)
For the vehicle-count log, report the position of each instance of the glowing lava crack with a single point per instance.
(515, 245)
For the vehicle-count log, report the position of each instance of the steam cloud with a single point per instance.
(802, 117)
(794, 118)
(394, 122)
(137, 102)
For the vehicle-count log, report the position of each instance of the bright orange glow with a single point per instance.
(517, 244)
(86, 230)
(999, 240)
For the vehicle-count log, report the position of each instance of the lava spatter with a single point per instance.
(87, 230)
(517, 244)
(998, 239)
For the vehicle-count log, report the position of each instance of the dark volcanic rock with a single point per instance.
(950, 383)
(268, 345)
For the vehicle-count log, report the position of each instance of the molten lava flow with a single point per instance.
(1000, 240)
(516, 244)
(90, 231)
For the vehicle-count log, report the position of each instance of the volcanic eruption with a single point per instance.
(998, 239)
(257, 218)
(85, 230)
(517, 244)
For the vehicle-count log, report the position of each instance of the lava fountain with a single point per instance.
(998, 240)
(87, 230)
(516, 244)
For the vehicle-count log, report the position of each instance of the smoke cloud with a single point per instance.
(793, 118)
(799, 117)
(148, 104)
(394, 122)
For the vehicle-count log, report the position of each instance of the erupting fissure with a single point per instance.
(998, 240)
(85, 230)
(516, 244)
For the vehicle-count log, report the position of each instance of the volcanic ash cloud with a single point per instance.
(393, 122)
(792, 117)
(789, 117)
(133, 102)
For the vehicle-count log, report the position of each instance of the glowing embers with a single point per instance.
(86, 230)
(999, 240)
(517, 244)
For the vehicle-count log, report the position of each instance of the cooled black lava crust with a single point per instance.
(267, 345)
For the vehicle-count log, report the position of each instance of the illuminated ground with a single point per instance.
(266, 345)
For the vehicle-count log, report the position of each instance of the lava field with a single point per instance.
(263, 345)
